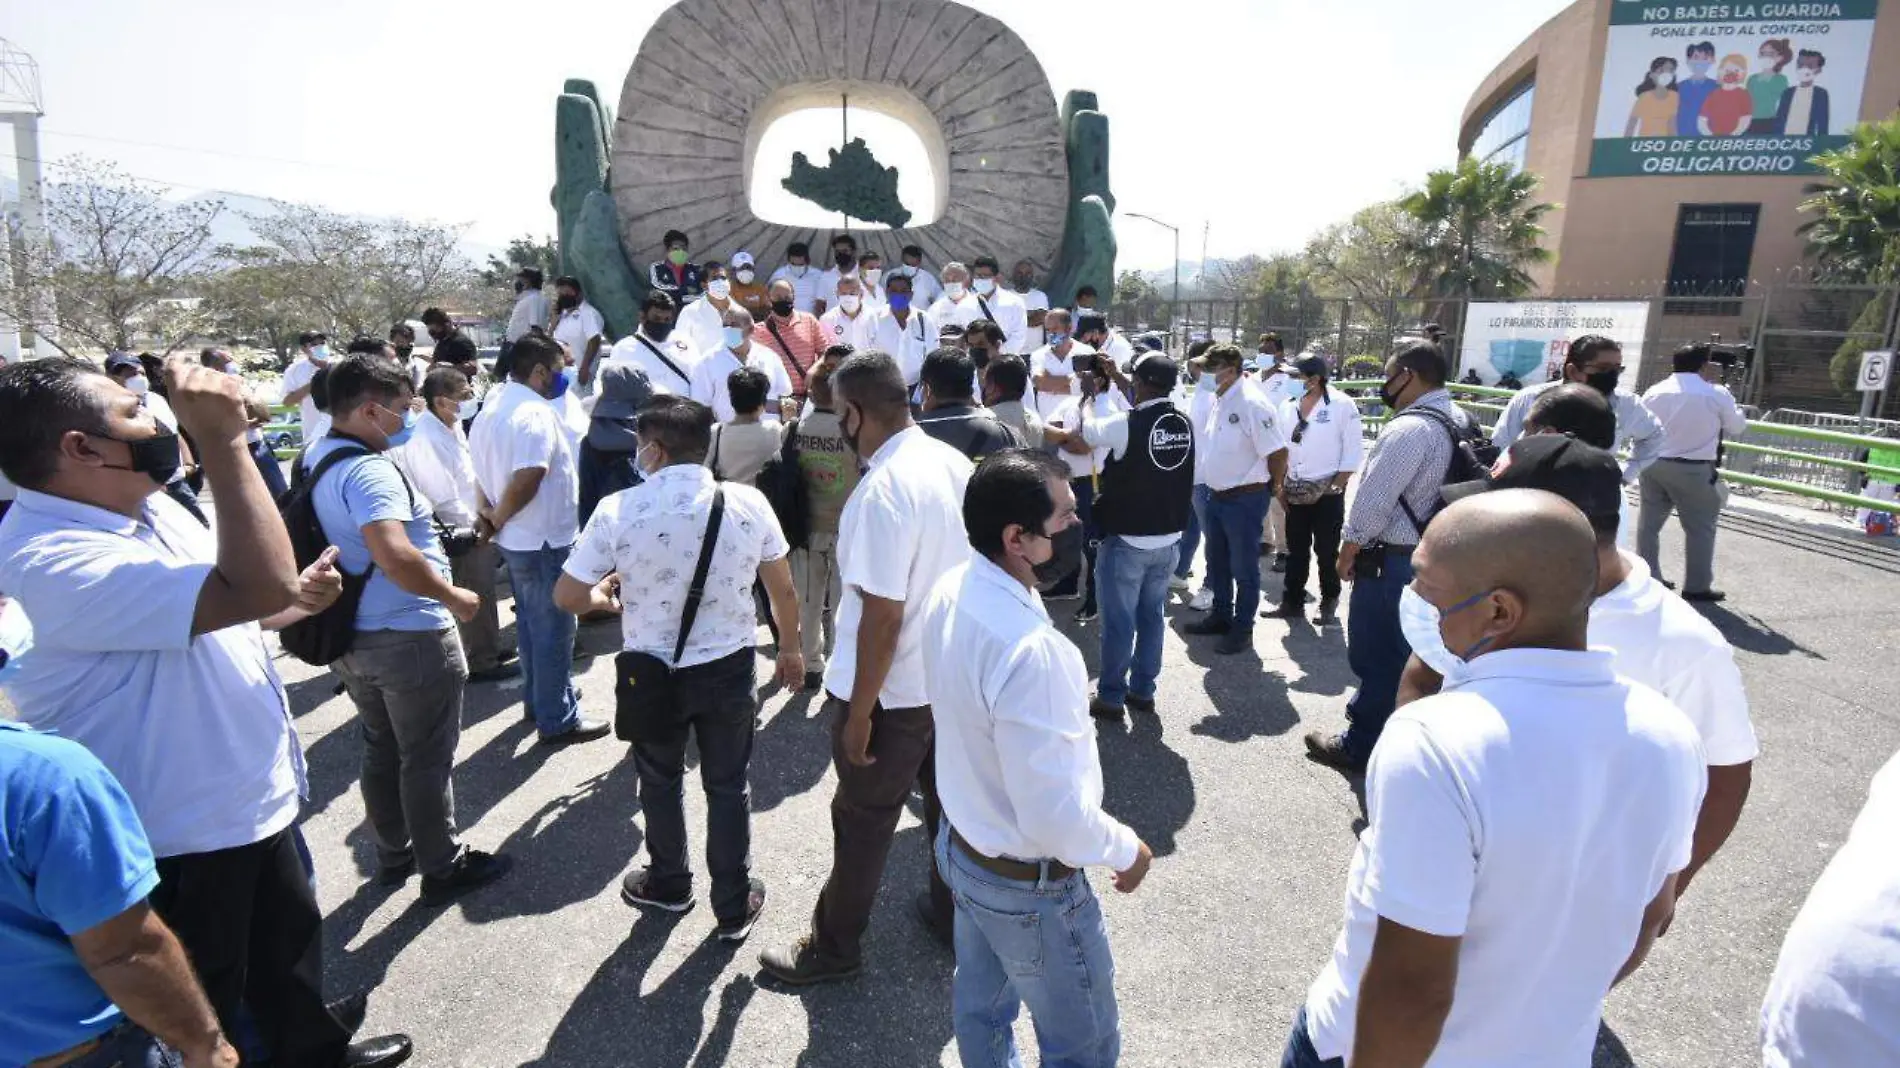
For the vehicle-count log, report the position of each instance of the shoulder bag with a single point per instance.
(646, 708)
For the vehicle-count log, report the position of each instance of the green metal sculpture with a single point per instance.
(855, 184)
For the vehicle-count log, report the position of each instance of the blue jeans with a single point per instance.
(545, 637)
(269, 468)
(1133, 591)
(1027, 943)
(1376, 650)
(1233, 555)
(1191, 537)
(1299, 1048)
(130, 1046)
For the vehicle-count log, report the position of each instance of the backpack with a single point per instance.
(1472, 456)
(782, 480)
(322, 639)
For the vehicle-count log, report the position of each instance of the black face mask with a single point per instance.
(1389, 396)
(567, 301)
(782, 309)
(1604, 382)
(404, 350)
(851, 436)
(981, 356)
(155, 457)
(520, 285)
(846, 262)
(658, 331)
(1065, 559)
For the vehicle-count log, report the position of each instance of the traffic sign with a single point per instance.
(1875, 369)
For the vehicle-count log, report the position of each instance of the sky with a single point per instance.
(1254, 122)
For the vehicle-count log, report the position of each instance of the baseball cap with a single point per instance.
(1310, 366)
(1158, 370)
(1582, 474)
(742, 258)
(121, 361)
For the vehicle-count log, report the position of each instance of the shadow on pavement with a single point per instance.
(791, 753)
(1610, 1051)
(1321, 654)
(1751, 634)
(1146, 785)
(571, 849)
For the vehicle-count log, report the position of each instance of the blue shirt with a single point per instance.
(365, 490)
(1691, 94)
(72, 856)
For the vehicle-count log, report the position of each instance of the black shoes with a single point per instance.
(636, 890)
(473, 870)
(1140, 704)
(496, 674)
(1101, 709)
(1706, 596)
(396, 874)
(1331, 752)
(1286, 611)
(1234, 641)
(804, 964)
(350, 1011)
(1328, 612)
(813, 680)
(385, 1052)
(1279, 563)
(585, 730)
(735, 931)
(1212, 625)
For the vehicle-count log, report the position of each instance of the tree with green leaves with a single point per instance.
(494, 293)
(1853, 232)
(358, 276)
(1132, 288)
(1479, 230)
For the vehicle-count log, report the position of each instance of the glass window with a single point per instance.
(1505, 133)
(1714, 244)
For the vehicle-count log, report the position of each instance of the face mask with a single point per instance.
(850, 302)
(467, 409)
(1604, 382)
(873, 275)
(404, 432)
(557, 385)
(520, 285)
(746, 275)
(154, 457)
(846, 261)
(1423, 623)
(954, 290)
(139, 384)
(900, 302)
(676, 257)
(16, 638)
(1058, 339)
(320, 352)
(659, 331)
(985, 286)
(403, 351)
(1023, 283)
(648, 468)
(1390, 396)
(1065, 556)
(719, 289)
(1699, 67)
(981, 356)
(782, 308)
(851, 436)
(567, 301)
(734, 337)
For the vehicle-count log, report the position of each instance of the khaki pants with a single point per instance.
(1273, 537)
(815, 575)
(481, 637)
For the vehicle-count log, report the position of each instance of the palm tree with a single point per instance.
(1479, 227)
(1855, 231)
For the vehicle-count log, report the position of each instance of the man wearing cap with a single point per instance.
(313, 355)
(608, 460)
(903, 329)
(746, 287)
(1658, 639)
(1325, 448)
(673, 275)
(797, 270)
(1143, 501)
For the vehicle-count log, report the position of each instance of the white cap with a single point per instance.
(742, 258)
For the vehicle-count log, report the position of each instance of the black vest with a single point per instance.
(1150, 488)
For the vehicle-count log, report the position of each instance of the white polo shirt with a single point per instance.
(196, 728)
(437, 462)
(1077, 415)
(1333, 441)
(651, 534)
(907, 342)
(1532, 810)
(575, 327)
(1047, 361)
(710, 386)
(901, 531)
(530, 311)
(804, 282)
(1200, 411)
(516, 430)
(1016, 763)
(301, 372)
(842, 329)
(1009, 312)
(643, 352)
(1242, 431)
(701, 326)
(1668, 646)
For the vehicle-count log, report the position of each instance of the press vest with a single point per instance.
(1149, 488)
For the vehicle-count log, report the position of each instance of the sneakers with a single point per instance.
(1202, 601)
(735, 931)
(1705, 596)
(473, 869)
(1331, 752)
(1140, 704)
(1179, 583)
(1101, 709)
(804, 964)
(1210, 625)
(1088, 613)
(1279, 563)
(634, 891)
(584, 730)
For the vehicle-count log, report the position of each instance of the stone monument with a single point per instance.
(1017, 177)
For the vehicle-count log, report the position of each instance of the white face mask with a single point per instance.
(850, 302)
(138, 384)
(1423, 625)
(953, 290)
(746, 275)
(873, 275)
(985, 286)
(719, 289)
(467, 409)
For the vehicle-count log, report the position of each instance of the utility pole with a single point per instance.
(21, 106)
(1174, 306)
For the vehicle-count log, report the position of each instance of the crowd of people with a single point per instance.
(896, 473)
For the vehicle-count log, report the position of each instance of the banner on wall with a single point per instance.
(1522, 343)
(1729, 88)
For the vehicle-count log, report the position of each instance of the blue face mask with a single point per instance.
(559, 385)
(16, 638)
(734, 337)
(1058, 339)
(900, 302)
(407, 431)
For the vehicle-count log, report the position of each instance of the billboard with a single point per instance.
(1522, 343)
(1729, 88)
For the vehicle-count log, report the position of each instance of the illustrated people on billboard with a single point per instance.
(1766, 85)
(1696, 89)
(1654, 113)
(1729, 110)
(1803, 110)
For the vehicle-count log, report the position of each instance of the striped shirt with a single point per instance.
(1408, 460)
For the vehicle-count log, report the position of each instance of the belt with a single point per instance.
(1682, 460)
(68, 1056)
(1025, 871)
(1240, 491)
(1391, 549)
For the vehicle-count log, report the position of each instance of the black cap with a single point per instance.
(1157, 369)
(1582, 474)
(121, 361)
(1310, 366)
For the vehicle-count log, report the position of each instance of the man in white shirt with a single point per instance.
(848, 320)
(1098, 401)
(313, 355)
(1525, 826)
(639, 557)
(530, 499)
(1022, 280)
(148, 652)
(1091, 329)
(438, 464)
(871, 276)
(666, 354)
(1021, 781)
(901, 531)
(903, 329)
(1245, 468)
(1696, 414)
(1052, 367)
(1326, 444)
(702, 323)
(1001, 306)
(737, 349)
(924, 286)
(1198, 405)
(797, 270)
(1834, 1001)
(844, 264)
(577, 328)
(530, 315)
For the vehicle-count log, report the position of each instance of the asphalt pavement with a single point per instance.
(1213, 953)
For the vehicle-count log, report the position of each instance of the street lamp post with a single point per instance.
(1174, 306)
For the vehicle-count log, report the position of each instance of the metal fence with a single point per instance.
(1798, 329)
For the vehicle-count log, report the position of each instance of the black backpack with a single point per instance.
(782, 481)
(1472, 456)
(322, 639)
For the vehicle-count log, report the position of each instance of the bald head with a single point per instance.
(1526, 562)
